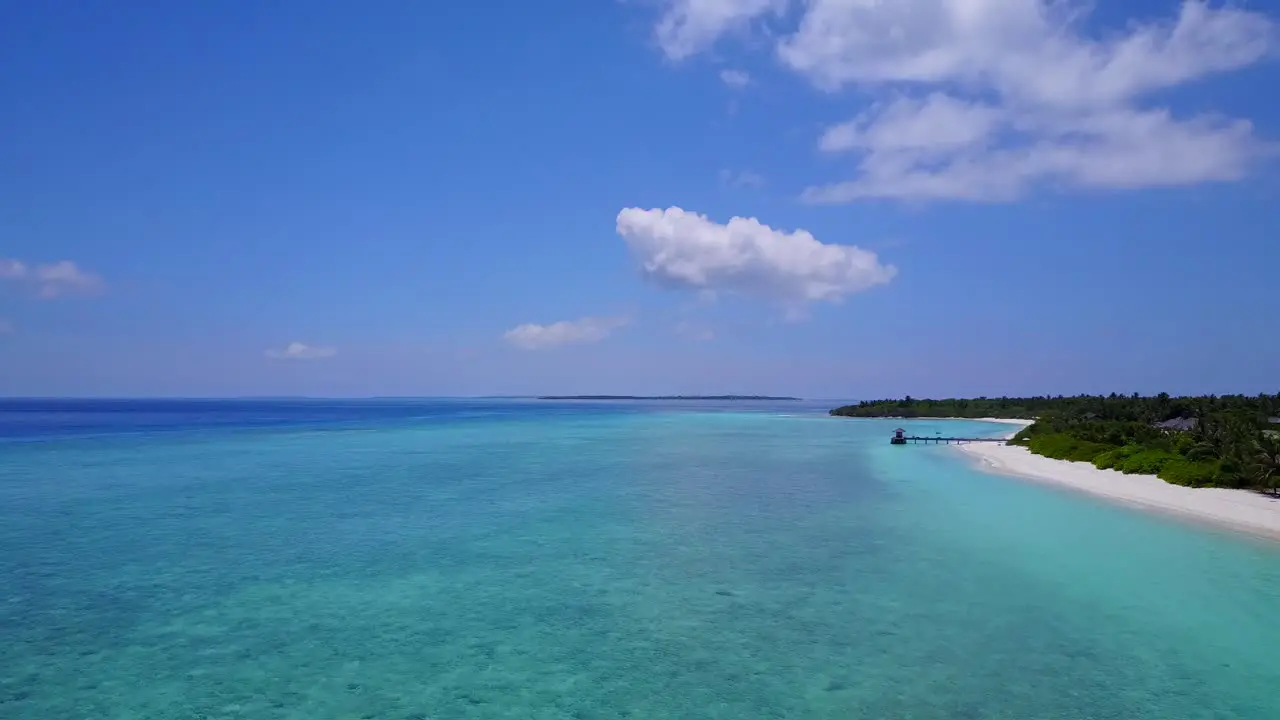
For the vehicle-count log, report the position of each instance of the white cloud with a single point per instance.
(691, 26)
(736, 79)
(983, 153)
(301, 351)
(934, 124)
(531, 336)
(990, 98)
(1029, 49)
(65, 278)
(51, 280)
(686, 250)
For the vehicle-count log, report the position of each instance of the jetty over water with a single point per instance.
(899, 438)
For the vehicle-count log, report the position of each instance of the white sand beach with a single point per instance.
(1240, 510)
(1007, 421)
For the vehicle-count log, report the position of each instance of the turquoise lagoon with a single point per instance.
(514, 559)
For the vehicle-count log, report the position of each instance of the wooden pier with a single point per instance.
(900, 439)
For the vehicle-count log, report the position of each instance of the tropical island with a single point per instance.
(1224, 441)
(665, 397)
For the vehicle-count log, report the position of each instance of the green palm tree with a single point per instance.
(1267, 462)
(1210, 439)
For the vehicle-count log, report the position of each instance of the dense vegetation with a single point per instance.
(1208, 441)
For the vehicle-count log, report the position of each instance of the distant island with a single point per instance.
(665, 397)
(1230, 441)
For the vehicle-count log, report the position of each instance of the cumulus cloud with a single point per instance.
(51, 280)
(686, 250)
(986, 99)
(736, 79)
(532, 336)
(301, 351)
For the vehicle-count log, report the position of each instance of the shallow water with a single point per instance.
(515, 560)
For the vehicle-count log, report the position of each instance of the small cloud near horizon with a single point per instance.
(52, 280)
(532, 336)
(301, 351)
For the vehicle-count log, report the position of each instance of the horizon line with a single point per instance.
(4, 398)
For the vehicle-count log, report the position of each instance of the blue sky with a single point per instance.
(949, 197)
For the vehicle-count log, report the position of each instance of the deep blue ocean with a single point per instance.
(413, 559)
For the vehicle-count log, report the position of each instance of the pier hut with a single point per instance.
(898, 437)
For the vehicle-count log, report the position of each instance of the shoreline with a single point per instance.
(1239, 510)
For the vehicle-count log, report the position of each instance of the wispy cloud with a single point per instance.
(11, 269)
(532, 336)
(65, 278)
(691, 26)
(688, 251)
(986, 101)
(736, 79)
(741, 179)
(51, 280)
(301, 351)
(694, 331)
